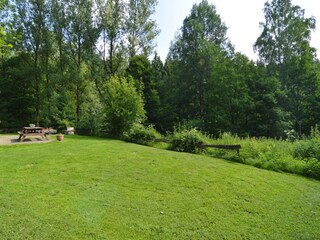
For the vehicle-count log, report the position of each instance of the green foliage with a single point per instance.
(201, 43)
(92, 115)
(187, 140)
(307, 149)
(17, 107)
(124, 106)
(284, 48)
(284, 32)
(312, 169)
(301, 157)
(140, 69)
(5, 37)
(72, 48)
(221, 90)
(141, 29)
(4, 41)
(265, 115)
(141, 134)
(315, 132)
(111, 16)
(63, 124)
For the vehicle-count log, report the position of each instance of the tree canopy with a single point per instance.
(91, 64)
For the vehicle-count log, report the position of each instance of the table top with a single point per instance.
(33, 128)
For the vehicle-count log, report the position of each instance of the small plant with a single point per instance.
(315, 132)
(187, 140)
(60, 137)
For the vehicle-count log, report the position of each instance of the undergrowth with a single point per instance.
(300, 157)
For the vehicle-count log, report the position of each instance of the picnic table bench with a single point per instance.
(32, 131)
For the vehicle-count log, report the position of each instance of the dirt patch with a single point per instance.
(13, 139)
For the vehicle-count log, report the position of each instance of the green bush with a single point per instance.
(312, 169)
(187, 140)
(307, 149)
(141, 134)
(124, 106)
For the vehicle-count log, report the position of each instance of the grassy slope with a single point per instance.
(90, 188)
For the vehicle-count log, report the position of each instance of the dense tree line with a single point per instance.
(91, 64)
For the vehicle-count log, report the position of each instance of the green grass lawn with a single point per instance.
(91, 188)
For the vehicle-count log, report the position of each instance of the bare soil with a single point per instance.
(13, 139)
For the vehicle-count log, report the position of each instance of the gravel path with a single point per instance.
(13, 139)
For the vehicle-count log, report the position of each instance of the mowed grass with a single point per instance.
(92, 188)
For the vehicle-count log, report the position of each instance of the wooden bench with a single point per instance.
(202, 145)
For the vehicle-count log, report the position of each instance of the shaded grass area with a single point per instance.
(92, 188)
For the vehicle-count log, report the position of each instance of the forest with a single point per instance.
(92, 64)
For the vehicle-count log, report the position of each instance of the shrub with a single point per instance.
(124, 106)
(312, 169)
(307, 149)
(187, 140)
(141, 134)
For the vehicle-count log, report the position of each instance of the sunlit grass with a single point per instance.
(92, 188)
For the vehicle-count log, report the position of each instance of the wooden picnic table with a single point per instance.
(32, 131)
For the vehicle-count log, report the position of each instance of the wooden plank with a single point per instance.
(33, 134)
(202, 145)
(222, 146)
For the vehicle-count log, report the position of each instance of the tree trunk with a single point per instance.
(47, 86)
(78, 87)
(37, 87)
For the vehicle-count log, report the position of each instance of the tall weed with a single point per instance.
(272, 154)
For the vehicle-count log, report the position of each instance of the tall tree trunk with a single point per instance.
(37, 87)
(78, 109)
(61, 57)
(202, 105)
(78, 87)
(111, 57)
(48, 88)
